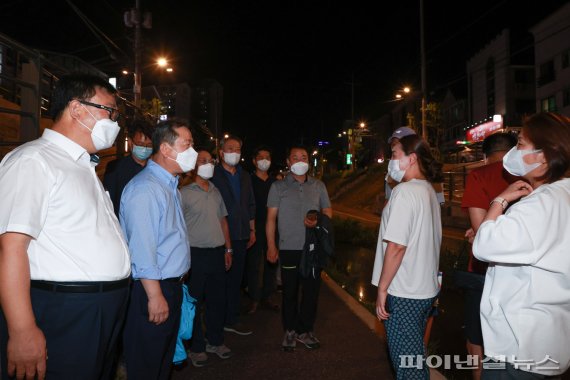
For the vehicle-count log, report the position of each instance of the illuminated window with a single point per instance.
(548, 104)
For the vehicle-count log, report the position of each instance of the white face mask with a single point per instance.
(104, 132)
(263, 165)
(232, 159)
(513, 161)
(206, 171)
(394, 170)
(300, 168)
(186, 159)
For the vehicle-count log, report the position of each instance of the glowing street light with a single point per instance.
(162, 62)
(405, 90)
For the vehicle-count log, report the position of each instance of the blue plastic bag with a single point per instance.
(186, 325)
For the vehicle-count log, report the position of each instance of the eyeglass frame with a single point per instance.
(106, 108)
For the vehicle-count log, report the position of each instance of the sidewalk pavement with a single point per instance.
(353, 346)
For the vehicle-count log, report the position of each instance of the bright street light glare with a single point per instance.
(161, 62)
(406, 90)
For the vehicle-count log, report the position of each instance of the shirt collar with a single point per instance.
(290, 179)
(194, 185)
(238, 170)
(162, 174)
(72, 148)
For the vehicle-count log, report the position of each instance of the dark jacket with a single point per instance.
(117, 174)
(319, 246)
(240, 211)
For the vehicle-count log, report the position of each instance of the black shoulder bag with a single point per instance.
(463, 278)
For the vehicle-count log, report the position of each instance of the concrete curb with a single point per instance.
(365, 316)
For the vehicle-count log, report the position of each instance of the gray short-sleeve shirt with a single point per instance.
(202, 213)
(294, 199)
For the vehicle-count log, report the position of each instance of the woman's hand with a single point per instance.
(381, 310)
(516, 190)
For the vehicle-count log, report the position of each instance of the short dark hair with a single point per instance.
(498, 142)
(260, 148)
(230, 137)
(297, 146)
(140, 125)
(165, 131)
(76, 86)
(429, 166)
(550, 132)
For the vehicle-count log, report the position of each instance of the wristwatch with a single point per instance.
(230, 251)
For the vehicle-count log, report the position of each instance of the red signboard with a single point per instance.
(481, 131)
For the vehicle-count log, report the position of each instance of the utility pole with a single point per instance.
(351, 140)
(134, 19)
(423, 71)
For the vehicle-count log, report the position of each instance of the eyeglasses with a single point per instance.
(114, 114)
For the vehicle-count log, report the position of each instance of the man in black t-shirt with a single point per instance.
(261, 274)
(119, 172)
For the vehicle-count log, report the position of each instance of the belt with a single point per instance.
(80, 287)
(178, 279)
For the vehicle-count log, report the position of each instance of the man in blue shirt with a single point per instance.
(153, 223)
(235, 186)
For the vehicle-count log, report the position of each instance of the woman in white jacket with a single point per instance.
(525, 308)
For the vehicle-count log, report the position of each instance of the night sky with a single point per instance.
(286, 66)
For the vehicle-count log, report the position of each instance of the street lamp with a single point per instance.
(403, 92)
(162, 62)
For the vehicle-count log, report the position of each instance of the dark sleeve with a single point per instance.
(110, 182)
(251, 200)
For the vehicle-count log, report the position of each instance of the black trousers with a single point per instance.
(300, 295)
(233, 282)
(149, 348)
(81, 331)
(207, 283)
(261, 274)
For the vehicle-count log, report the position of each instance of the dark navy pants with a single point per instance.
(81, 331)
(207, 284)
(149, 348)
(233, 282)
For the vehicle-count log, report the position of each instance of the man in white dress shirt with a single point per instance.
(64, 264)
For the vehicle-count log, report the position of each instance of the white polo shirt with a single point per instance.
(411, 218)
(49, 190)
